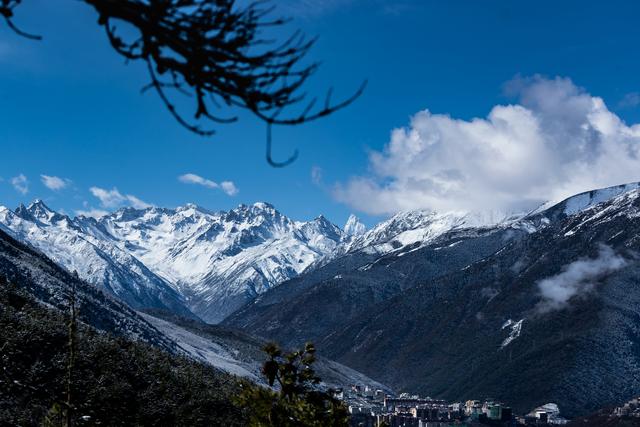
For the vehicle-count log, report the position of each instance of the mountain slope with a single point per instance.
(495, 329)
(236, 352)
(392, 257)
(80, 245)
(116, 381)
(526, 311)
(51, 285)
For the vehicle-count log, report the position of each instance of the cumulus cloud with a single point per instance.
(227, 186)
(114, 199)
(556, 141)
(577, 278)
(20, 184)
(53, 182)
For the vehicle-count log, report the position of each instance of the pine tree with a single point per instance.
(299, 401)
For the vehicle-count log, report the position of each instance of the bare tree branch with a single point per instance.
(6, 11)
(214, 52)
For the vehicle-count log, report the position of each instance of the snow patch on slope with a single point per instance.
(205, 350)
(516, 328)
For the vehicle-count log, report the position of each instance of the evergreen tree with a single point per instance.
(297, 399)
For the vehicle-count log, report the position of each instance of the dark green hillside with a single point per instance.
(115, 381)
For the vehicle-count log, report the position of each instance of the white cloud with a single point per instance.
(53, 182)
(556, 142)
(316, 175)
(20, 184)
(227, 186)
(114, 199)
(94, 213)
(577, 279)
(191, 178)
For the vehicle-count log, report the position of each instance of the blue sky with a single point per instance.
(70, 108)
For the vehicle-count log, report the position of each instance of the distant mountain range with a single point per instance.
(186, 260)
(522, 307)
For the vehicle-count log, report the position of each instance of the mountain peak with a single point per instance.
(324, 226)
(23, 212)
(354, 227)
(582, 201)
(37, 211)
(263, 206)
(39, 205)
(189, 207)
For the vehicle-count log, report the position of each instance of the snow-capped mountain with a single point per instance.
(419, 227)
(190, 260)
(220, 260)
(81, 245)
(354, 227)
(210, 262)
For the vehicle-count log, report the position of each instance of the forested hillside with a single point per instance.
(115, 381)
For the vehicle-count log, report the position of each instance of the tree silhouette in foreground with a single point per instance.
(298, 401)
(215, 53)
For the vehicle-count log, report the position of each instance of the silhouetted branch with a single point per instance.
(270, 159)
(6, 11)
(215, 53)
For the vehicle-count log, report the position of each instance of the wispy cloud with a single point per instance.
(397, 8)
(577, 279)
(93, 213)
(316, 175)
(20, 184)
(630, 100)
(54, 183)
(114, 199)
(556, 141)
(5, 50)
(227, 186)
(191, 178)
(311, 8)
